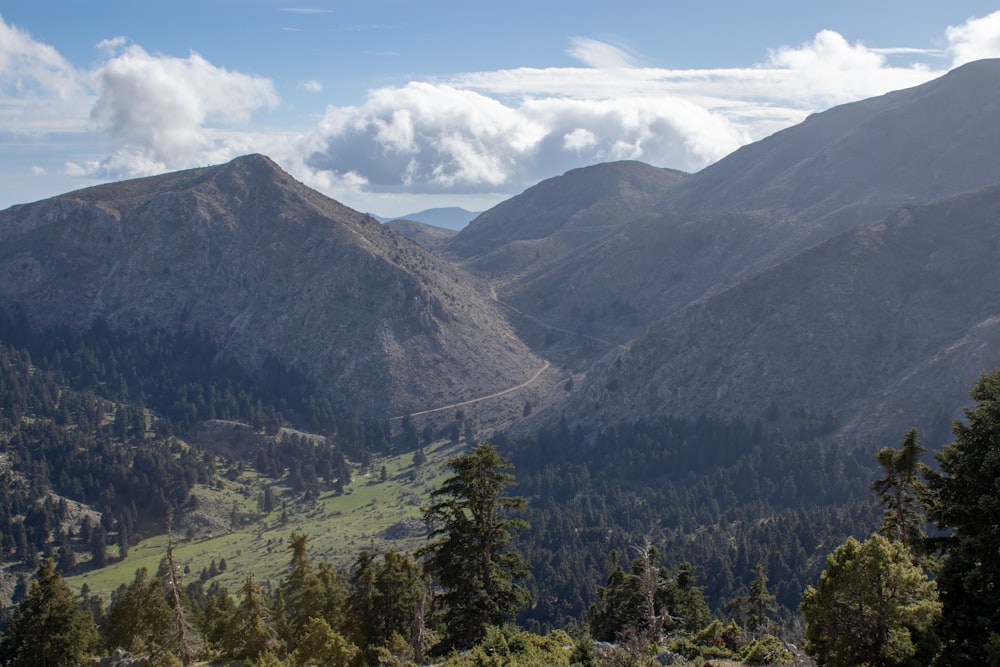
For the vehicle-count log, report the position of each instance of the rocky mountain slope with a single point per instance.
(881, 328)
(756, 287)
(771, 200)
(265, 266)
(426, 236)
(558, 216)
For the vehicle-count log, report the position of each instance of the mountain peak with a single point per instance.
(254, 162)
(264, 266)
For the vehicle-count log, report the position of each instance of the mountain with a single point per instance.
(909, 146)
(426, 236)
(448, 217)
(558, 216)
(879, 329)
(773, 199)
(264, 266)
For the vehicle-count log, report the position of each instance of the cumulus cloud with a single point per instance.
(158, 111)
(977, 38)
(507, 129)
(829, 70)
(311, 86)
(423, 135)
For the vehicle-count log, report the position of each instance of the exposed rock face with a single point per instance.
(229, 438)
(264, 265)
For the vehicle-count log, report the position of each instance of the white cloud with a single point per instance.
(505, 130)
(829, 70)
(594, 53)
(975, 39)
(311, 86)
(39, 90)
(113, 45)
(157, 111)
(424, 136)
(579, 140)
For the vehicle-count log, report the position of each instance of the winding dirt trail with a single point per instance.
(498, 394)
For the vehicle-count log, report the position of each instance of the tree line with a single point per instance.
(91, 418)
(454, 601)
(716, 511)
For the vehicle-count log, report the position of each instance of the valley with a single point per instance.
(690, 385)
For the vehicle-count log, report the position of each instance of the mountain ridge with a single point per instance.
(770, 200)
(864, 330)
(265, 265)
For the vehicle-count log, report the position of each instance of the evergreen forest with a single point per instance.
(686, 540)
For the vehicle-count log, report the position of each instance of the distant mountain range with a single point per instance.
(448, 217)
(837, 277)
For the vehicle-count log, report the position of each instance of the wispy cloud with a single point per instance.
(311, 86)
(40, 91)
(594, 53)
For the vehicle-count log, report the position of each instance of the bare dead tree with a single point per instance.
(185, 642)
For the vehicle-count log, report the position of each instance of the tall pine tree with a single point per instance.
(48, 628)
(965, 501)
(899, 491)
(470, 552)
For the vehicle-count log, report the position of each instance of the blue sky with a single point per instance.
(392, 106)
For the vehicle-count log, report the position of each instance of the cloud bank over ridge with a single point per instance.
(474, 132)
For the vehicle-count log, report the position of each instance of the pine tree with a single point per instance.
(872, 606)
(250, 633)
(470, 551)
(900, 489)
(760, 603)
(964, 501)
(308, 592)
(183, 640)
(322, 646)
(139, 618)
(299, 590)
(48, 628)
(386, 593)
(98, 546)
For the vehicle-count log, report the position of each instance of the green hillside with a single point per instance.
(371, 512)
